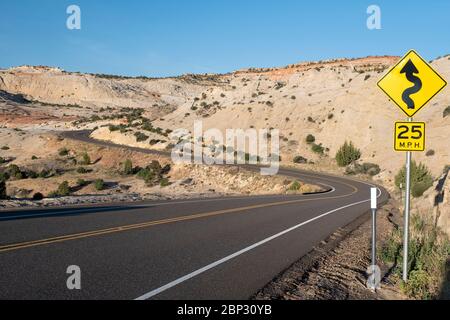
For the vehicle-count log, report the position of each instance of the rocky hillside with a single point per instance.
(333, 100)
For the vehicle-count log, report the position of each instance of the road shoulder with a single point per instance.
(336, 268)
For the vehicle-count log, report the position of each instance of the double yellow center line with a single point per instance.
(40, 242)
(93, 233)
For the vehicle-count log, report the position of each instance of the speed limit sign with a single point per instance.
(409, 136)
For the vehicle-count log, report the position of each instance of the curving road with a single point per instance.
(216, 248)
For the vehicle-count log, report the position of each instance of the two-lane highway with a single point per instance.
(218, 248)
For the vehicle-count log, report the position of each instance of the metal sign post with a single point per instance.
(406, 218)
(396, 83)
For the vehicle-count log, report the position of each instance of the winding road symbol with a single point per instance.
(411, 83)
(409, 70)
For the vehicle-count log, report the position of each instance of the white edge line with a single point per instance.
(238, 253)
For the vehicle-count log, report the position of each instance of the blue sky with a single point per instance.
(172, 37)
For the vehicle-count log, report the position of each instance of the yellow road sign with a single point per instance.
(409, 136)
(411, 83)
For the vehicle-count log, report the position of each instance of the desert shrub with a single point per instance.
(4, 176)
(38, 196)
(429, 248)
(63, 152)
(140, 136)
(293, 97)
(86, 160)
(310, 139)
(14, 172)
(391, 248)
(347, 154)
(372, 169)
(310, 119)
(317, 148)
(2, 160)
(82, 170)
(81, 182)
(446, 112)
(295, 186)
(421, 179)
(34, 158)
(153, 173)
(121, 127)
(45, 174)
(430, 153)
(418, 189)
(194, 108)
(164, 182)
(330, 116)
(99, 184)
(63, 189)
(5, 148)
(3, 194)
(128, 167)
(30, 174)
(300, 159)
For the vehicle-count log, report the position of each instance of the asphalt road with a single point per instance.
(217, 248)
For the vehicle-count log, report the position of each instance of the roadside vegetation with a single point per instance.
(429, 249)
(347, 154)
(421, 179)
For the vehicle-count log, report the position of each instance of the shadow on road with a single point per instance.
(61, 212)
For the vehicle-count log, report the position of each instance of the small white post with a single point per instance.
(373, 206)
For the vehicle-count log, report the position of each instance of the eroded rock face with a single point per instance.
(334, 101)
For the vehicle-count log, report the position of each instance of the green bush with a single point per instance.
(63, 152)
(44, 174)
(4, 176)
(310, 139)
(81, 182)
(164, 182)
(82, 170)
(317, 148)
(140, 136)
(38, 196)
(418, 189)
(153, 173)
(63, 189)
(371, 169)
(14, 172)
(86, 160)
(295, 186)
(3, 194)
(428, 250)
(347, 154)
(128, 167)
(391, 249)
(300, 159)
(421, 179)
(99, 184)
